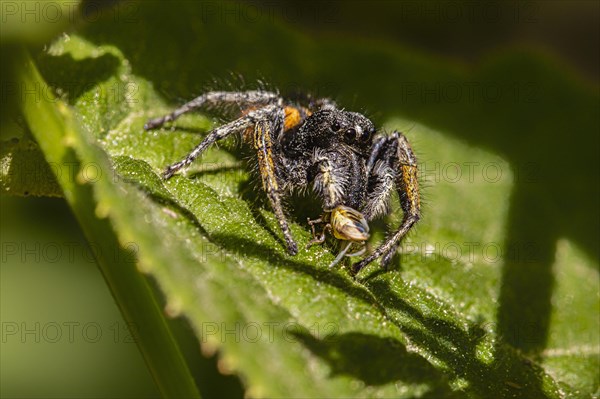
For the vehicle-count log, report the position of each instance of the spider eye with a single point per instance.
(351, 133)
(366, 135)
(335, 126)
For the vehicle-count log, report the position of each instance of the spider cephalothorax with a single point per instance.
(314, 144)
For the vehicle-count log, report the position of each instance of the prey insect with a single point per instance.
(312, 143)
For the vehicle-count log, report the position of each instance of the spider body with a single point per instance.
(351, 168)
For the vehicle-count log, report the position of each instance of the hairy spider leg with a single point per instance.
(262, 142)
(246, 98)
(245, 122)
(375, 151)
(395, 160)
(381, 171)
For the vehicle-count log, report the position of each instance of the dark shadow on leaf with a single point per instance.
(374, 274)
(209, 170)
(255, 203)
(248, 248)
(389, 360)
(508, 375)
(76, 77)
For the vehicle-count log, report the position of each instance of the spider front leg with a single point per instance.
(213, 98)
(392, 163)
(217, 134)
(214, 136)
(317, 239)
(264, 131)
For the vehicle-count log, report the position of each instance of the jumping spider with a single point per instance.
(312, 142)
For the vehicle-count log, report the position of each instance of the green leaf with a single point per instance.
(494, 295)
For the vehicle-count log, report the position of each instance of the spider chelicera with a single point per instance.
(351, 167)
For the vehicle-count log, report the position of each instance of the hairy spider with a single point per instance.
(312, 142)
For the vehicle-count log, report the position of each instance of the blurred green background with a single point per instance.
(62, 334)
(48, 281)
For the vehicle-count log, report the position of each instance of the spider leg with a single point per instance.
(324, 103)
(320, 239)
(217, 134)
(375, 151)
(312, 224)
(252, 97)
(262, 142)
(382, 175)
(393, 163)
